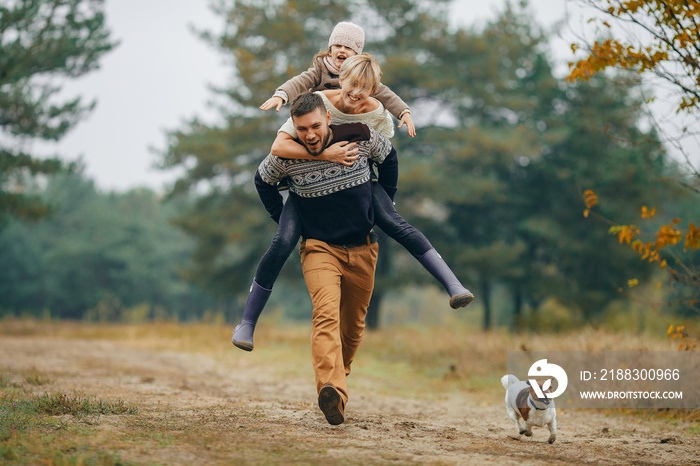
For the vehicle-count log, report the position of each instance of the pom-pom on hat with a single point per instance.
(348, 34)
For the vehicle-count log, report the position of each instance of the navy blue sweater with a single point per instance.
(334, 201)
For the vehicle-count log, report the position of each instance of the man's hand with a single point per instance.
(343, 152)
(408, 121)
(274, 101)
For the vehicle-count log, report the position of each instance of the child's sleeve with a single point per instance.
(288, 127)
(299, 84)
(391, 101)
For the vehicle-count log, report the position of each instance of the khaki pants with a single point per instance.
(340, 283)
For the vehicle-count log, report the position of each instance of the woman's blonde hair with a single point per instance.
(363, 71)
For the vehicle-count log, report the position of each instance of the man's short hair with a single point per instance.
(306, 103)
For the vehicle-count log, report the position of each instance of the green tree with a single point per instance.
(41, 42)
(492, 184)
(98, 253)
(600, 145)
(493, 88)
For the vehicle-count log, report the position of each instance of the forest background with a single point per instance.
(496, 178)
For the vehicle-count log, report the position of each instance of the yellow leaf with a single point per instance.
(670, 329)
(692, 238)
(590, 198)
(632, 282)
(627, 233)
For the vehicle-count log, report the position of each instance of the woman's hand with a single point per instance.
(343, 152)
(273, 101)
(408, 121)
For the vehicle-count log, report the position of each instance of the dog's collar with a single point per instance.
(532, 403)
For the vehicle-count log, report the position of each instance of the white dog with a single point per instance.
(522, 403)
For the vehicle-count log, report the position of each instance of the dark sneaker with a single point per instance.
(331, 404)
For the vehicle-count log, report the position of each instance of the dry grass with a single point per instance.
(413, 363)
(433, 360)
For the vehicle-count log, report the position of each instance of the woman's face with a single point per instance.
(339, 53)
(353, 95)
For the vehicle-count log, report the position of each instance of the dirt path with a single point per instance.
(232, 408)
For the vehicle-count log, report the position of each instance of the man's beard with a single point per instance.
(321, 146)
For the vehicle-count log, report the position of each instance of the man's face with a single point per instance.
(313, 130)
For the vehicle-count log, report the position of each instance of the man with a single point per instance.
(338, 249)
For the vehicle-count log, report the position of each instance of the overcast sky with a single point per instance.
(158, 77)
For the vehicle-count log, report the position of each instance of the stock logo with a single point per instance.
(543, 369)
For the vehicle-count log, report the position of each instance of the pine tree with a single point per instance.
(41, 42)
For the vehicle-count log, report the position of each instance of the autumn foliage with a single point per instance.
(680, 334)
(662, 37)
(666, 42)
(664, 248)
(667, 235)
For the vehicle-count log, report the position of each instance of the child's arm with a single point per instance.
(408, 121)
(396, 107)
(285, 146)
(276, 100)
(294, 87)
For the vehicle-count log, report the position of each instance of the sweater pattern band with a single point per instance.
(317, 178)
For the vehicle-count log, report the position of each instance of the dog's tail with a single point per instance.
(508, 380)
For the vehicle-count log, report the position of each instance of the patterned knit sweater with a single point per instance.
(334, 201)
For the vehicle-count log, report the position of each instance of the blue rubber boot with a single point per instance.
(433, 263)
(243, 333)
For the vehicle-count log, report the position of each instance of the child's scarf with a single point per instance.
(331, 66)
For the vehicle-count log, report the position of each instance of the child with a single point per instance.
(360, 77)
(346, 40)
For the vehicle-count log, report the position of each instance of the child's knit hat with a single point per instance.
(348, 34)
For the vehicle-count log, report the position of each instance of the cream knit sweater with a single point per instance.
(379, 119)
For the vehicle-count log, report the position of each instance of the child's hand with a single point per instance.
(272, 102)
(408, 121)
(342, 152)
